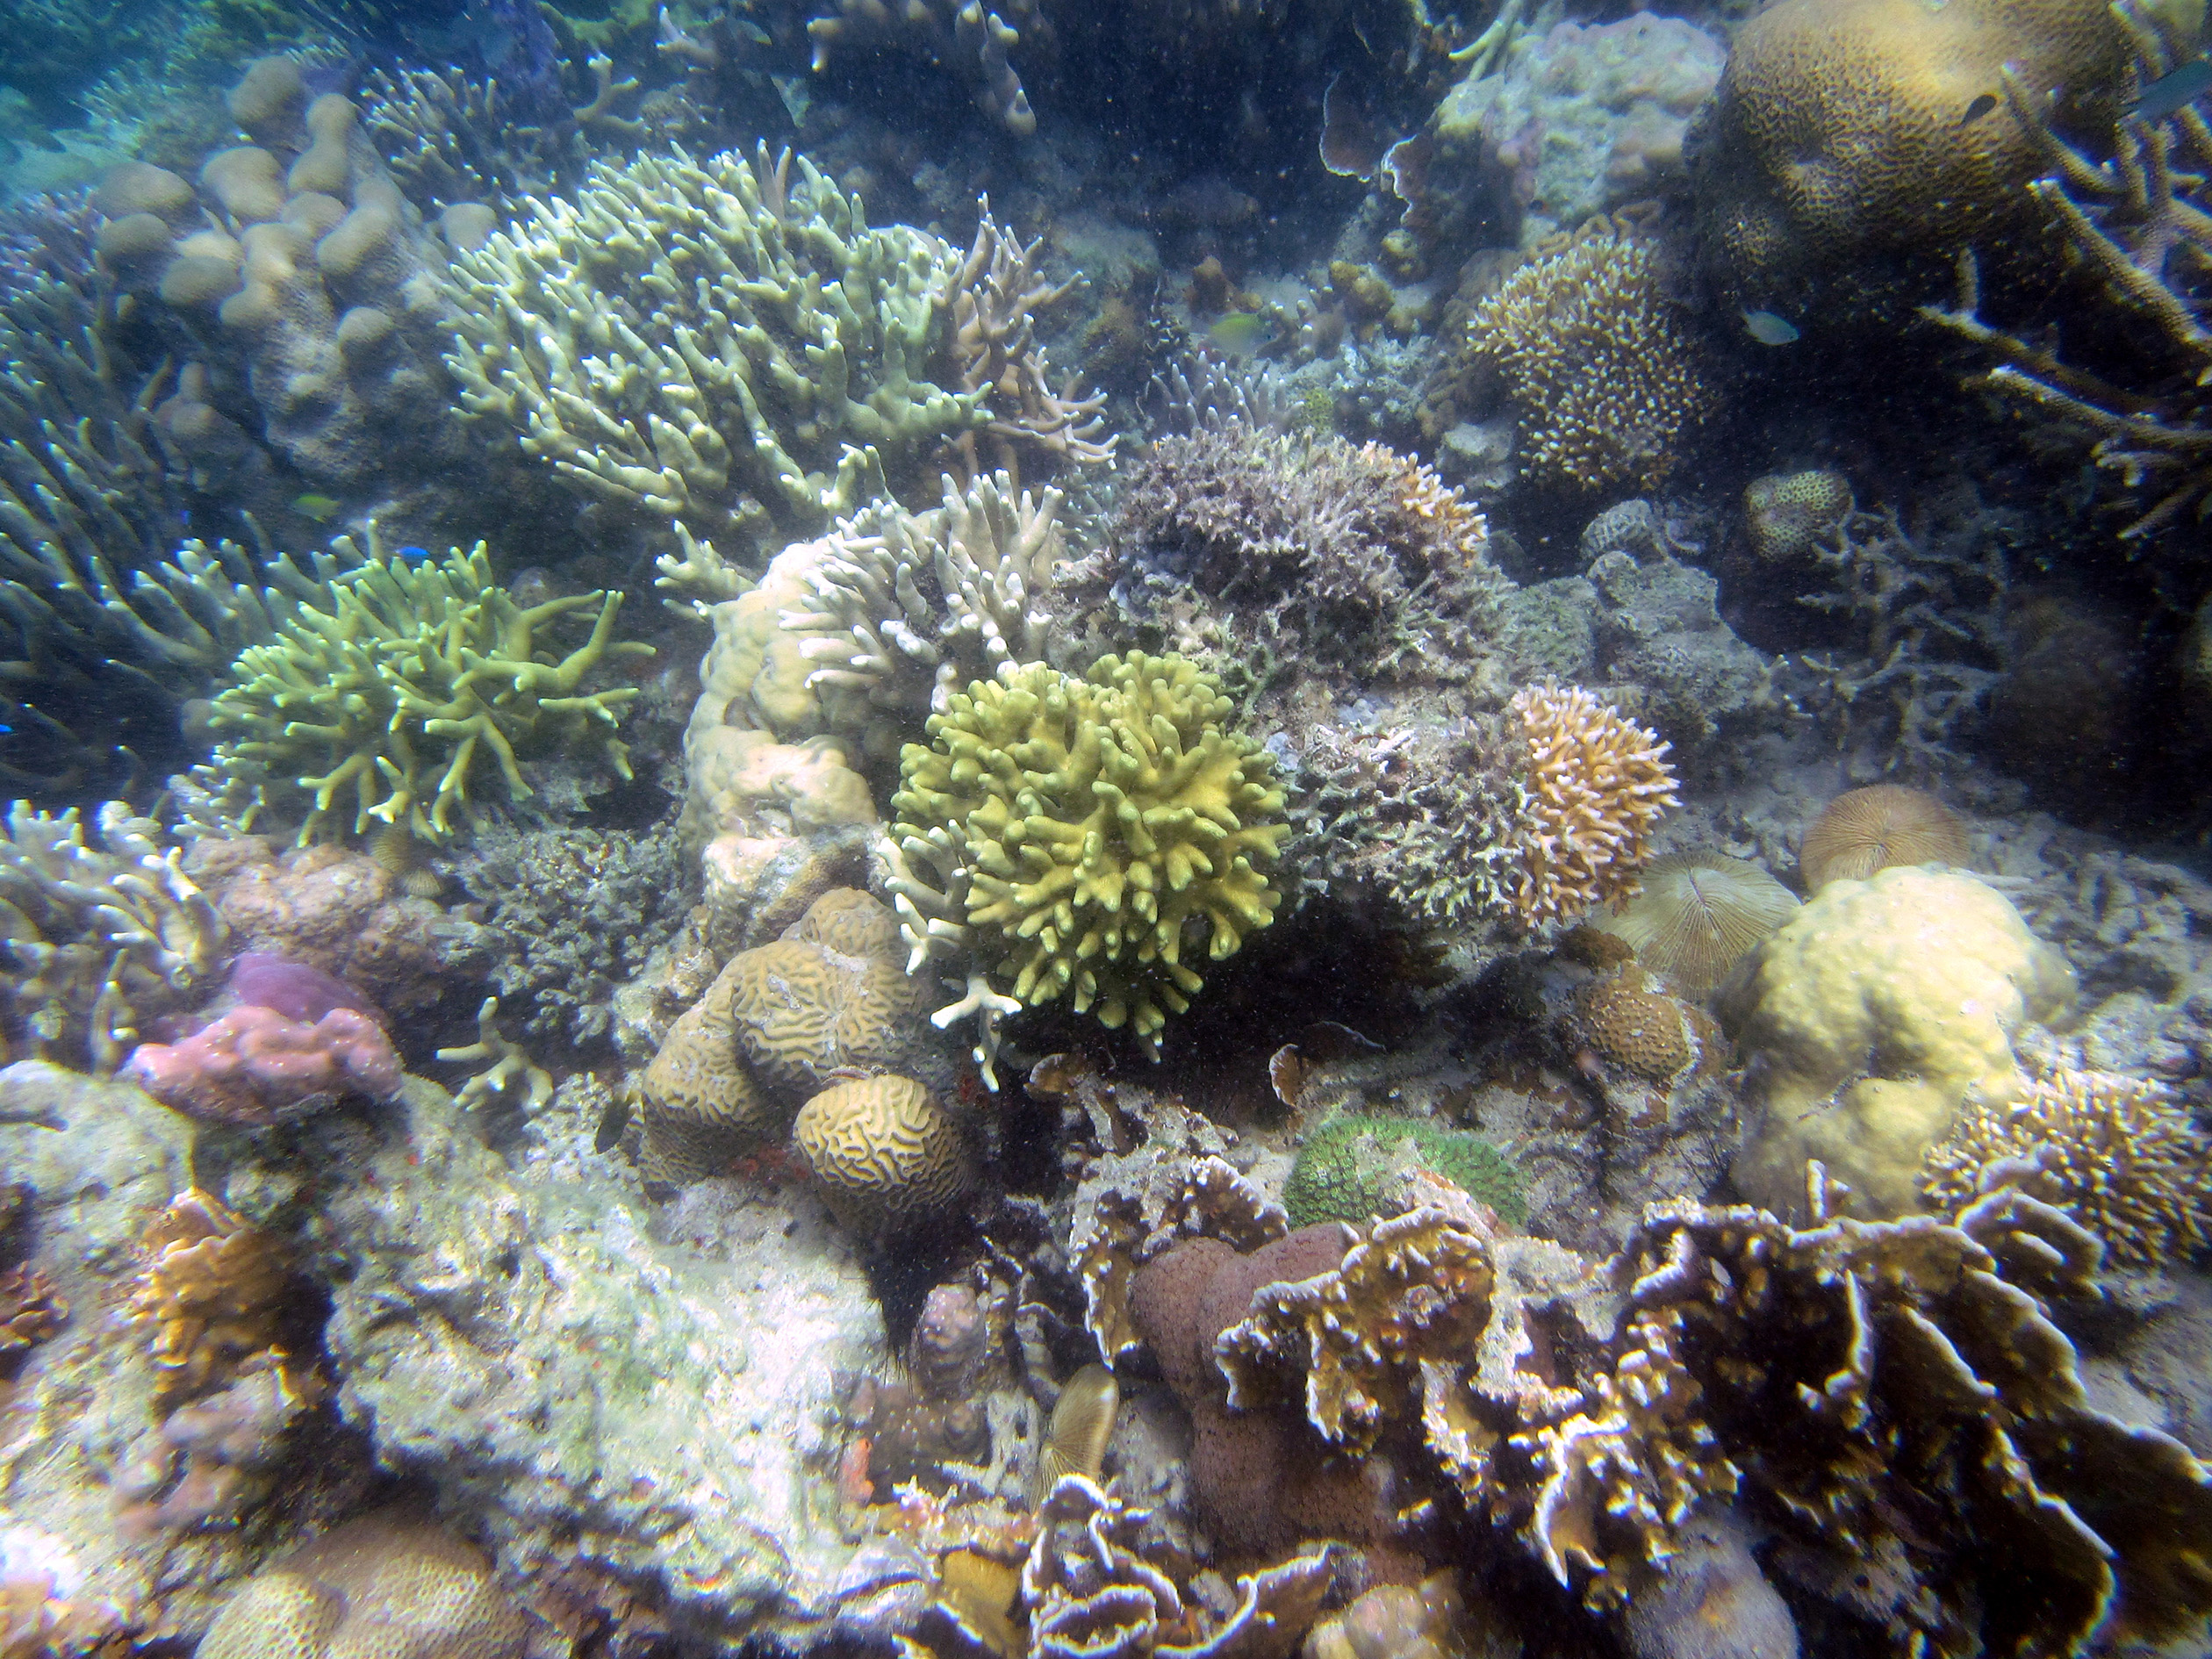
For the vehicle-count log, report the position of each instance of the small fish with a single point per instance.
(1978, 108)
(412, 552)
(1769, 329)
(611, 1123)
(321, 509)
(1236, 332)
(2169, 92)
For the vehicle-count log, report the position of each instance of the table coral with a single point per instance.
(385, 680)
(2118, 1153)
(1602, 364)
(254, 1065)
(1063, 835)
(887, 1156)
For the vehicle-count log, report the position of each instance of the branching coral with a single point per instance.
(946, 31)
(1595, 786)
(215, 1292)
(2119, 1153)
(449, 139)
(98, 936)
(1064, 835)
(1601, 363)
(386, 684)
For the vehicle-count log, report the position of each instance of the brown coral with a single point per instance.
(1595, 785)
(699, 1106)
(1600, 360)
(1863, 830)
(30, 1310)
(2119, 1153)
(392, 1585)
(886, 1155)
(1632, 1022)
(215, 1291)
(1788, 513)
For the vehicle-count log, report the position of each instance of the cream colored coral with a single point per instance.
(1870, 1016)
(1594, 785)
(885, 1154)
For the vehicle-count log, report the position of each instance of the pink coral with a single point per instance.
(253, 1065)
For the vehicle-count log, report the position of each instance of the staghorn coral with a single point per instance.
(1697, 914)
(1602, 366)
(1870, 1016)
(1354, 1167)
(2118, 1153)
(393, 1584)
(1594, 785)
(995, 298)
(941, 31)
(508, 1073)
(1878, 828)
(215, 1293)
(453, 139)
(1063, 836)
(888, 1158)
(99, 936)
(386, 684)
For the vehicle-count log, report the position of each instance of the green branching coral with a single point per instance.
(715, 341)
(1346, 1169)
(385, 681)
(1077, 838)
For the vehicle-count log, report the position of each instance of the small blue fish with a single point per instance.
(411, 553)
(2169, 92)
(1769, 329)
(321, 509)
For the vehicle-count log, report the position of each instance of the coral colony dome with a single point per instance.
(1029, 830)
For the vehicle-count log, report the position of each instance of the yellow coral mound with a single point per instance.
(1599, 360)
(885, 1154)
(1871, 1015)
(1595, 786)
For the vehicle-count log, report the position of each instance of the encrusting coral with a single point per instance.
(887, 1155)
(2118, 1153)
(1060, 836)
(385, 680)
(1870, 1016)
(1352, 1169)
(1787, 514)
(1603, 371)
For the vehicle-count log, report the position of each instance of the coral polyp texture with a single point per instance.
(385, 683)
(1594, 786)
(1077, 837)
(253, 1065)
(2119, 1153)
(1605, 372)
(887, 1156)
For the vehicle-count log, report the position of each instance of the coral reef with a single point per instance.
(945, 33)
(1878, 828)
(252, 1065)
(1788, 514)
(1595, 785)
(215, 1293)
(1354, 1168)
(1602, 364)
(888, 1157)
(1871, 1015)
(1629, 1019)
(1062, 835)
(2117, 1154)
(1837, 145)
(99, 936)
(385, 681)
(392, 1582)
(508, 1074)
(1697, 916)
(1396, 1621)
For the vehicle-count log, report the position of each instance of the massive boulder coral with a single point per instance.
(1060, 838)
(1846, 140)
(385, 680)
(1870, 1017)
(888, 1157)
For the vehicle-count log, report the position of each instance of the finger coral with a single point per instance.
(385, 680)
(1601, 363)
(2118, 1153)
(1594, 787)
(1064, 836)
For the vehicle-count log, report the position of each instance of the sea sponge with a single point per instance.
(1630, 1020)
(252, 1065)
(1846, 132)
(2120, 1153)
(886, 1155)
(1083, 834)
(1351, 1169)
(1697, 915)
(1594, 787)
(1877, 827)
(1601, 361)
(1787, 514)
(390, 1585)
(1870, 1016)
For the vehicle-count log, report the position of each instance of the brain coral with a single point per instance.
(1868, 1016)
(1844, 131)
(1075, 838)
(386, 1586)
(886, 1155)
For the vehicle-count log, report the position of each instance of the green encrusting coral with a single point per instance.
(1344, 1170)
(386, 681)
(1078, 838)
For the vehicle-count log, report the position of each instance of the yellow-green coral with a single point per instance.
(385, 681)
(886, 1155)
(1599, 361)
(1064, 836)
